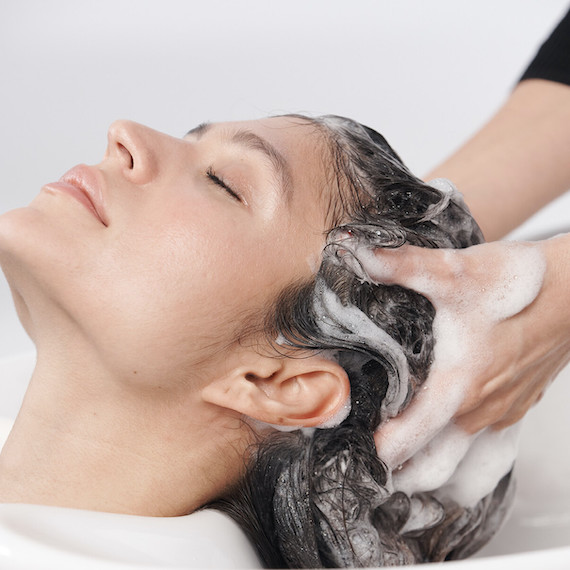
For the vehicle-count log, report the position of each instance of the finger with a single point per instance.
(428, 271)
(434, 464)
(508, 403)
(529, 398)
(488, 413)
(502, 409)
(399, 438)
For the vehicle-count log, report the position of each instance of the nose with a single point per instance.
(136, 149)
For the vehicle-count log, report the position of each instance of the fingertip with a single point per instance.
(393, 442)
(386, 447)
(391, 265)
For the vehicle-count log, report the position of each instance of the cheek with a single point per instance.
(172, 297)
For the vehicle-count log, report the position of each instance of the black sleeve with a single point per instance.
(553, 58)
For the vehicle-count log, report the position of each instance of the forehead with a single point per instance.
(295, 141)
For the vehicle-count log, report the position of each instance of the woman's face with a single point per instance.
(187, 241)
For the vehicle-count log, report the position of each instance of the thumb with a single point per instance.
(425, 270)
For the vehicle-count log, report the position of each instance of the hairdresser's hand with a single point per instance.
(502, 333)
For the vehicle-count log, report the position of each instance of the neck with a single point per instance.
(84, 440)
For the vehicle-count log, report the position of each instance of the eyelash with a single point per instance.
(219, 182)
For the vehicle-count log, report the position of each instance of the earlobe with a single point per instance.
(297, 392)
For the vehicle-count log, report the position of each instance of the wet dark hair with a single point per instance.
(323, 497)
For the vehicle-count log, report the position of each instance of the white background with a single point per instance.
(425, 73)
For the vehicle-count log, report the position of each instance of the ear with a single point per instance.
(297, 392)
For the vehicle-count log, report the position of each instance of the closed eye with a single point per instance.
(219, 182)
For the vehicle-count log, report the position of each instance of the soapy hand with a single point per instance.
(501, 334)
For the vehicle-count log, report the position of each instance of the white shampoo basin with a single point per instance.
(537, 534)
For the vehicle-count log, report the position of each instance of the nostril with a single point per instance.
(127, 155)
(134, 150)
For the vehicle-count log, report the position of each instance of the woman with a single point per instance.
(182, 308)
(143, 277)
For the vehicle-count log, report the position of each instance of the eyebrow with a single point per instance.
(253, 141)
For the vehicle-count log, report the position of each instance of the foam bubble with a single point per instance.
(350, 324)
(519, 284)
(463, 467)
(424, 514)
(489, 458)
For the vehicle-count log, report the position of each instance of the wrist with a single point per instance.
(557, 279)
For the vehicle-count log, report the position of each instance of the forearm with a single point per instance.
(519, 161)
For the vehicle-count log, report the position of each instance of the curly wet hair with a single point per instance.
(323, 497)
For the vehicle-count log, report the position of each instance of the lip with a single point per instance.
(82, 183)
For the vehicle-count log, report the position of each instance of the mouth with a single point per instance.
(82, 182)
